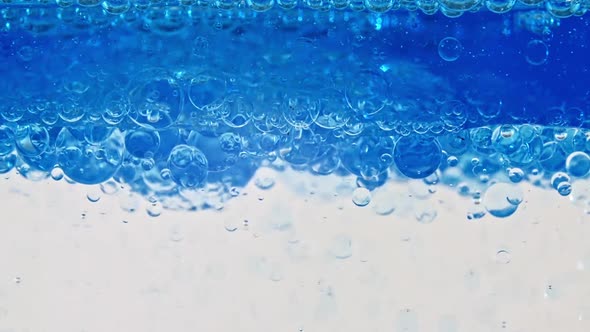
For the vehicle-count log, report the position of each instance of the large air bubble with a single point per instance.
(417, 156)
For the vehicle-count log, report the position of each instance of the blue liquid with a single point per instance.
(189, 95)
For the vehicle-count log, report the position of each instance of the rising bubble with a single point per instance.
(496, 200)
(417, 156)
(361, 196)
(536, 52)
(578, 164)
(450, 49)
(188, 166)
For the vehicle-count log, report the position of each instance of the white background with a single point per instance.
(184, 271)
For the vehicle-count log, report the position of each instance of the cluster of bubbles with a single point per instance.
(169, 15)
(169, 139)
(187, 130)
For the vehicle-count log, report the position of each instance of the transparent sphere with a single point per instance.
(361, 197)
(417, 156)
(481, 139)
(89, 3)
(502, 199)
(379, 6)
(237, 111)
(515, 175)
(506, 139)
(334, 113)
(7, 163)
(261, 5)
(459, 5)
(453, 114)
(500, 6)
(562, 8)
(287, 4)
(116, 106)
(300, 111)
(578, 164)
(558, 178)
(156, 102)
(141, 142)
(89, 163)
(340, 4)
(368, 155)
(450, 49)
(221, 152)
(207, 91)
(536, 52)
(12, 113)
(564, 188)
(6, 140)
(116, 7)
(367, 93)
(32, 140)
(188, 166)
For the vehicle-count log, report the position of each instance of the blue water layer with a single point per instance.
(170, 97)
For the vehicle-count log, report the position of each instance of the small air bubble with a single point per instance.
(154, 209)
(503, 257)
(361, 197)
(93, 196)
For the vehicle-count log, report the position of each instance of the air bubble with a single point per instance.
(56, 174)
(367, 93)
(116, 107)
(332, 114)
(361, 196)
(379, 6)
(156, 101)
(236, 111)
(7, 163)
(341, 247)
(503, 257)
(260, 5)
(383, 205)
(562, 8)
(506, 139)
(578, 164)
(417, 156)
(207, 91)
(500, 6)
(450, 49)
(264, 182)
(154, 209)
(6, 141)
(287, 4)
(230, 225)
(89, 163)
(496, 199)
(564, 188)
(536, 52)
(426, 214)
(89, 3)
(26, 53)
(116, 7)
(221, 152)
(188, 166)
(300, 111)
(72, 112)
(12, 113)
(558, 178)
(452, 161)
(141, 142)
(515, 174)
(93, 196)
(109, 187)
